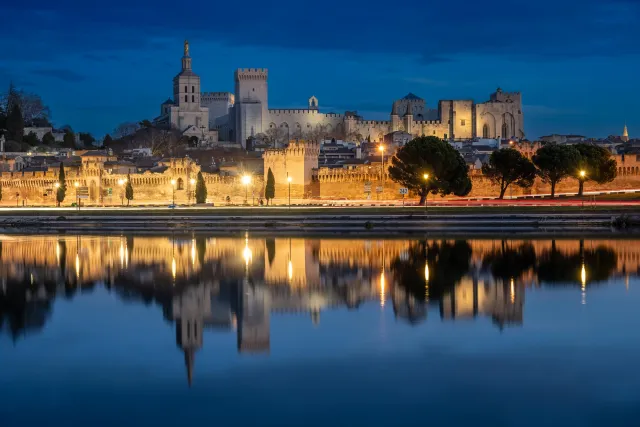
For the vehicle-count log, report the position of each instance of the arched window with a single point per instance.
(485, 131)
(180, 184)
(505, 131)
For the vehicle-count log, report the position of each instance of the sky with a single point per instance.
(576, 62)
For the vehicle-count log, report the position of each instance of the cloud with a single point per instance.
(60, 74)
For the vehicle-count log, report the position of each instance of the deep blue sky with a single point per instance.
(97, 65)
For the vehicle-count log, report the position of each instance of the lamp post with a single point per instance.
(426, 196)
(121, 184)
(56, 186)
(192, 183)
(289, 181)
(583, 175)
(246, 180)
(77, 184)
(381, 149)
(173, 191)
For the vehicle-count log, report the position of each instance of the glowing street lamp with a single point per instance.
(289, 181)
(121, 184)
(246, 180)
(426, 196)
(76, 185)
(583, 176)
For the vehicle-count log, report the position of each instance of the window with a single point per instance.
(186, 89)
(462, 122)
(485, 131)
(180, 184)
(186, 98)
(193, 89)
(193, 98)
(446, 136)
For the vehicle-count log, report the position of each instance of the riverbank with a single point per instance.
(314, 221)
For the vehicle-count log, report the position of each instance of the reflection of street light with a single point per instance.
(382, 289)
(289, 181)
(426, 196)
(513, 292)
(426, 282)
(246, 180)
(173, 191)
(290, 270)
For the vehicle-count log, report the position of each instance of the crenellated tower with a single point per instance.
(251, 103)
(296, 161)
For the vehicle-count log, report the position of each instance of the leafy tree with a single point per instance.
(597, 163)
(201, 189)
(270, 189)
(555, 163)
(146, 124)
(128, 190)
(15, 123)
(31, 139)
(69, 139)
(508, 166)
(106, 142)
(62, 186)
(510, 262)
(48, 139)
(556, 267)
(446, 169)
(86, 139)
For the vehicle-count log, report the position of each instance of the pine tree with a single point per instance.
(128, 191)
(62, 186)
(69, 139)
(270, 189)
(0, 193)
(15, 123)
(48, 139)
(201, 189)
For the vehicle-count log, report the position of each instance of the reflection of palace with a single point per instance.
(237, 284)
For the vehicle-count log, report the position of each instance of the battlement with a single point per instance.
(292, 111)
(373, 122)
(296, 148)
(251, 74)
(217, 95)
(428, 122)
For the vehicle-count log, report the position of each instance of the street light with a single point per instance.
(289, 181)
(583, 175)
(426, 196)
(381, 149)
(192, 182)
(121, 183)
(77, 184)
(173, 191)
(246, 180)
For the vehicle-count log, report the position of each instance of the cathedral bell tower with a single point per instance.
(186, 85)
(625, 134)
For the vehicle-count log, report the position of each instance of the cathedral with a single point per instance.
(237, 117)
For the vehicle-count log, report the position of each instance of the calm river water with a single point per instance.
(200, 330)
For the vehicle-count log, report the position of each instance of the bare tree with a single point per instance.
(125, 129)
(354, 136)
(317, 134)
(34, 112)
(160, 141)
(276, 136)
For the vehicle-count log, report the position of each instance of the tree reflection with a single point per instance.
(447, 263)
(555, 267)
(510, 262)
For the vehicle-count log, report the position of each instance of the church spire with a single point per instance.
(625, 133)
(186, 58)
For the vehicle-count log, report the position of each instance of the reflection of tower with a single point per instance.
(407, 307)
(190, 310)
(253, 314)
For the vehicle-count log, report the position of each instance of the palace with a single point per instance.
(239, 116)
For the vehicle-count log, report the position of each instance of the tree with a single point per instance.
(317, 134)
(555, 163)
(15, 123)
(86, 139)
(69, 139)
(128, 190)
(62, 185)
(508, 166)
(106, 142)
(597, 164)
(48, 139)
(201, 189)
(31, 139)
(275, 136)
(0, 193)
(270, 189)
(125, 129)
(447, 170)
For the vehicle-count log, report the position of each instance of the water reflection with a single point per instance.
(237, 284)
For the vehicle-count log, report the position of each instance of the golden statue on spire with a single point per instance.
(186, 48)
